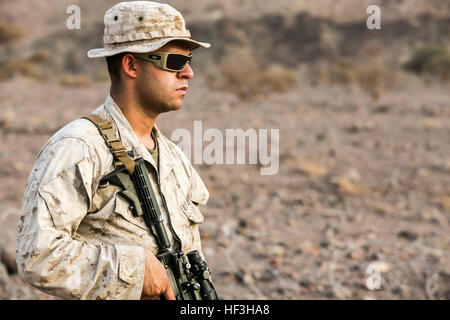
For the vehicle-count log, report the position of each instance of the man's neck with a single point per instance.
(140, 120)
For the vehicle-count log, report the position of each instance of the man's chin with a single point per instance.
(173, 108)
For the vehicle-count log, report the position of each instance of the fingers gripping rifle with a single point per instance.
(190, 280)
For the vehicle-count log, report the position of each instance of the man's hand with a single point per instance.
(156, 282)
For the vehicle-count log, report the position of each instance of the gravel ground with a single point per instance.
(359, 208)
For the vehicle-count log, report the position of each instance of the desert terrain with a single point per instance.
(359, 207)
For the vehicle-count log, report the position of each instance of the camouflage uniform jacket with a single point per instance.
(78, 239)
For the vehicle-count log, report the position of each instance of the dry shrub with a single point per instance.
(77, 81)
(341, 73)
(7, 119)
(372, 77)
(9, 33)
(444, 202)
(432, 59)
(26, 66)
(40, 56)
(279, 78)
(19, 66)
(101, 75)
(240, 72)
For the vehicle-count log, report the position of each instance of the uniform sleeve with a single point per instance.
(57, 197)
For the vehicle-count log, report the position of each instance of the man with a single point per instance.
(78, 239)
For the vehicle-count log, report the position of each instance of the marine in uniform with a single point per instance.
(77, 237)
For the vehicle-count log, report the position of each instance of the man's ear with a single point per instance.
(129, 65)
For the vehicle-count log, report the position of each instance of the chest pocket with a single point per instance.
(192, 212)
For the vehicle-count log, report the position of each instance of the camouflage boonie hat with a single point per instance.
(142, 26)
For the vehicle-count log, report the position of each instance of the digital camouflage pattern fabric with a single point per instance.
(78, 239)
(142, 26)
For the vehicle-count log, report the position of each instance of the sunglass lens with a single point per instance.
(177, 61)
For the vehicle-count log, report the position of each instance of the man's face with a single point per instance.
(160, 90)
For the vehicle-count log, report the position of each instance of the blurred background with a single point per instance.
(364, 121)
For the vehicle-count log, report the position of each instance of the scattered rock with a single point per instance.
(311, 168)
(305, 282)
(444, 202)
(382, 208)
(397, 291)
(380, 266)
(244, 277)
(324, 244)
(408, 235)
(349, 184)
(277, 251)
(433, 215)
(359, 127)
(276, 262)
(382, 109)
(307, 247)
(431, 123)
(357, 254)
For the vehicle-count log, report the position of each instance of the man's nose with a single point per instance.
(187, 72)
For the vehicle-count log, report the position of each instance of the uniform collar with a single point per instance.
(131, 142)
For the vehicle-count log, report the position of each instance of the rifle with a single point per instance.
(190, 279)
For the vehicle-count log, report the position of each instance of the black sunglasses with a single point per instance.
(166, 60)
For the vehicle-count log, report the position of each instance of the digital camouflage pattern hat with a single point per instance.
(142, 26)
